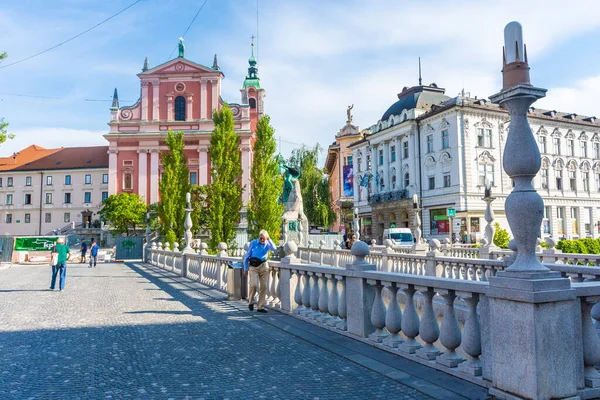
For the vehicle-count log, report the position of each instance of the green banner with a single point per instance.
(35, 243)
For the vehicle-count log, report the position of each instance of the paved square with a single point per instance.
(126, 331)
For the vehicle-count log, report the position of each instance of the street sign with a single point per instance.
(451, 212)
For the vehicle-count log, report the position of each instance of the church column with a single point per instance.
(170, 108)
(155, 99)
(203, 99)
(246, 167)
(144, 100)
(154, 176)
(215, 95)
(413, 178)
(112, 171)
(374, 162)
(188, 113)
(142, 174)
(203, 166)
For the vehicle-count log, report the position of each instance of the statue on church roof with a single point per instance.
(181, 47)
(349, 112)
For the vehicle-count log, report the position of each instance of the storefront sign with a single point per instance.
(35, 243)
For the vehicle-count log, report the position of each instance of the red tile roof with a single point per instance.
(64, 158)
(27, 155)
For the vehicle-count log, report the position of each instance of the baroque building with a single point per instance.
(339, 167)
(179, 95)
(446, 150)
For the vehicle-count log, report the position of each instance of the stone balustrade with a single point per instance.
(439, 322)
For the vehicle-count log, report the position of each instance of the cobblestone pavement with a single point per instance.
(125, 331)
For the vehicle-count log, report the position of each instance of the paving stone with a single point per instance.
(126, 331)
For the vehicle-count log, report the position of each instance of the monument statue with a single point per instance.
(294, 221)
(181, 47)
(349, 112)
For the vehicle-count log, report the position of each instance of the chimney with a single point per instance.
(515, 69)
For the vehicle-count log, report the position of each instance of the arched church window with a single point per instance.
(252, 102)
(406, 180)
(180, 108)
(127, 181)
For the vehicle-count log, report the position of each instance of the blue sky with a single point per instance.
(315, 57)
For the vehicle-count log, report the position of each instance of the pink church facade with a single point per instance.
(179, 95)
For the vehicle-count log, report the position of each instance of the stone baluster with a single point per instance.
(309, 246)
(314, 297)
(332, 305)
(410, 322)
(167, 246)
(591, 345)
(450, 335)
(204, 249)
(298, 294)
(336, 254)
(324, 300)
(342, 310)
(268, 291)
(377, 313)
(306, 295)
(322, 244)
(429, 329)
(393, 317)
(471, 342)
(277, 288)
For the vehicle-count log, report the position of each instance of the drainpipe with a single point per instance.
(41, 197)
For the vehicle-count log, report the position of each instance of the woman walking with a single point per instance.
(64, 253)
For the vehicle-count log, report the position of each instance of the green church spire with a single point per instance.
(252, 78)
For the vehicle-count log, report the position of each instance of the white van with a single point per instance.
(400, 236)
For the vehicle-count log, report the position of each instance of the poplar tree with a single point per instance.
(173, 186)
(224, 194)
(264, 210)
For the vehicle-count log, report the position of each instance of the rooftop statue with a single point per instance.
(349, 112)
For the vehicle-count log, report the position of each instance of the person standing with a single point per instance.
(83, 251)
(64, 253)
(93, 252)
(255, 265)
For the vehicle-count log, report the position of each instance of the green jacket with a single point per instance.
(63, 252)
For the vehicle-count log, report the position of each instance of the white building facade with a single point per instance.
(446, 150)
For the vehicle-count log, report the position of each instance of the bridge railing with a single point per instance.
(441, 321)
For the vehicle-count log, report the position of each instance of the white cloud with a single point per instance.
(51, 138)
(581, 98)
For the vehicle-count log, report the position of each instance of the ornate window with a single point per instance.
(393, 153)
(407, 180)
(393, 182)
(431, 182)
(486, 172)
(572, 167)
(380, 156)
(180, 108)
(405, 149)
(597, 150)
(558, 174)
(584, 153)
(543, 144)
(252, 102)
(484, 137)
(447, 182)
(586, 181)
(429, 143)
(571, 147)
(556, 141)
(445, 139)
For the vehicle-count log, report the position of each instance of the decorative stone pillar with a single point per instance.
(189, 103)
(154, 175)
(188, 224)
(144, 105)
(360, 295)
(143, 173)
(419, 247)
(531, 309)
(203, 165)
(155, 99)
(490, 229)
(203, 105)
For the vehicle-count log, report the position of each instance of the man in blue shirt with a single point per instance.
(255, 262)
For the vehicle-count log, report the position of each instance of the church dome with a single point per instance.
(422, 97)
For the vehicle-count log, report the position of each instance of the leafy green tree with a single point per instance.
(173, 186)
(264, 209)
(501, 237)
(199, 207)
(314, 185)
(4, 135)
(224, 194)
(123, 211)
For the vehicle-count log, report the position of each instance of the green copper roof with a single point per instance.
(252, 79)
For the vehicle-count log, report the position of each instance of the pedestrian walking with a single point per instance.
(83, 251)
(93, 252)
(63, 253)
(255, 265)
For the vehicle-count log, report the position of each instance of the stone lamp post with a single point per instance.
(490, 229)
(527, 301)
(356, 224)
(188, 225)
(418, 247)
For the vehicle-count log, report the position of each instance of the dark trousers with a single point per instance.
(56, 269)
(83, 257)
